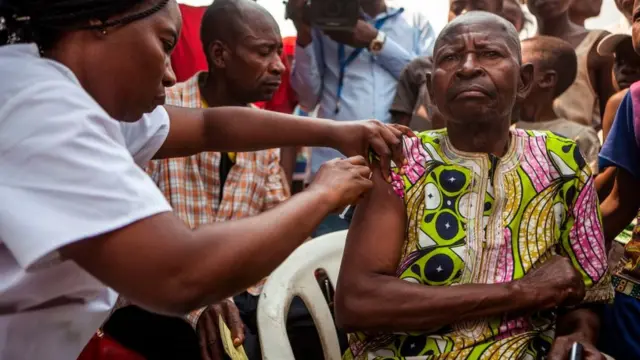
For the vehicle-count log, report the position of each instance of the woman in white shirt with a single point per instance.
(76, 210)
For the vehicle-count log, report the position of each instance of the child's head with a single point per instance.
(626, 67)
(555, 66)
(512, 11)
(459, 7)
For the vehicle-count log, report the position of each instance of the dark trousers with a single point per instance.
(153, 336)
(620, 329)
(166, 338)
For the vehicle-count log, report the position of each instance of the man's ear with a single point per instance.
(429, 87)
(218, 54)
(526, 81)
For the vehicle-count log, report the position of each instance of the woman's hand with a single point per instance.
(208, 329)
(342, 182)
(354, 138)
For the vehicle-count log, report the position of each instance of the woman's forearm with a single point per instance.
(166, 267)
(194, 131)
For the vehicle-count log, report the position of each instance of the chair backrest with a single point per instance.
(296, 277)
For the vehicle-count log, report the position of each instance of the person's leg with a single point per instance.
(620, 328)
(247, 305)
(303, 334)
(153, 336)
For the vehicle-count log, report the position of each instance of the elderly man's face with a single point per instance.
(477, 72)
(459, 7)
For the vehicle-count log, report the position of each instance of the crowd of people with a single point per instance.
(158, 161)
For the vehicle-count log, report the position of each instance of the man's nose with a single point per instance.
(469, 68)
(277, 66)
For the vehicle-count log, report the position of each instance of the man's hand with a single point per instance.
(360, 37)
(562, 346)
(359, 137)
(298, 12)
(343, 181)
(208, 330)
(555, 283)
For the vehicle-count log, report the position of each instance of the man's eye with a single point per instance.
(491, 54)
(449, 58)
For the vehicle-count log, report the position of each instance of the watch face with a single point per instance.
(377, 46)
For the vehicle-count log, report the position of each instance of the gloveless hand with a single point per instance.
(342, 182)
(359, 137)
(360, 37)
(562, 347)
(555, 283)
(211, 346)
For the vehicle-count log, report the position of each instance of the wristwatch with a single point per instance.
(377, 44)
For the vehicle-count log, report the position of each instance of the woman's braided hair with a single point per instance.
(43, 21)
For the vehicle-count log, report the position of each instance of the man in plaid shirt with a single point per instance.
(244, 68)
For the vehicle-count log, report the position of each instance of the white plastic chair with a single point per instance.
(296, 277)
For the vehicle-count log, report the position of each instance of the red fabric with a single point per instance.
(289, 45)
(188, 57)
(104, 348)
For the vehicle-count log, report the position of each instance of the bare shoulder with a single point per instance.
(616, 99)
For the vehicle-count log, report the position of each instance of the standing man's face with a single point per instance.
(254, 68)
(459, 7)
(549, 9)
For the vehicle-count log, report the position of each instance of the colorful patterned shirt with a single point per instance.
(475, 218)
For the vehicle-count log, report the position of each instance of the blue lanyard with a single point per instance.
(353, 56)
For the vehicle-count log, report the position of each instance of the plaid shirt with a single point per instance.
(255, 183)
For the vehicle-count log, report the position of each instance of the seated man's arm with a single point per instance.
(583, 242)
(370, 297)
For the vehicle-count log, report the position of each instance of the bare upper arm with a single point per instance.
(376, 235)
(622, 204)
(186, 133)
(611, 110)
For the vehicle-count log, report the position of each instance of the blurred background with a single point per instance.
(437, 10)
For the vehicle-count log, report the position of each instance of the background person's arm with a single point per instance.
(580, 325)
(604, 180)
(370, 297)
(622, 204)
(164, 266)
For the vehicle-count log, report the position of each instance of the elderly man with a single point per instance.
(484, 244)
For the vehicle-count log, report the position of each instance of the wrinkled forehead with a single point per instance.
(479, 33)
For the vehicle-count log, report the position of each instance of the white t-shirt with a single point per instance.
(67, 173)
